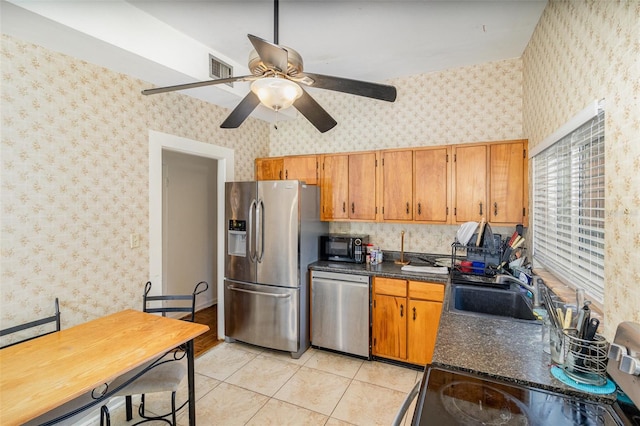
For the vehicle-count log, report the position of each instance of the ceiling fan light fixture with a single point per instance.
(276, 93)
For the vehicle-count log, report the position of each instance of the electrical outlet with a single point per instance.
(134, 240)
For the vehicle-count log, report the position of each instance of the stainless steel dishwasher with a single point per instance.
(340, 312)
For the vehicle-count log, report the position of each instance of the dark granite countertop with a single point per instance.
(388, 269)
(496, 348)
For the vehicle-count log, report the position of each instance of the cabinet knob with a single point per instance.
(401, 311)
(419, 209)
(414, 313)
(407, 208)
(286, 174)
(353, 207)
(344, 207)
(495, 209)
(280, 175)
(480, 209)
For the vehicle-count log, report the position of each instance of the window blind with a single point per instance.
(568, 207)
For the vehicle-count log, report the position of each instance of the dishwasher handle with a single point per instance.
(333, 282)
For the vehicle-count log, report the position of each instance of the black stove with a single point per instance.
(449, 397)
(457, 398)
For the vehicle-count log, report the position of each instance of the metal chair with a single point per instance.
(55, 318)
(166, 373)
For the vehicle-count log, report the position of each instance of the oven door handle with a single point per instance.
(397, 421)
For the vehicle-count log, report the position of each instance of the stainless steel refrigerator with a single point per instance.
(273, 230)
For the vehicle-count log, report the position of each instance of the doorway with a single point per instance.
(188, 224)
(158, 143)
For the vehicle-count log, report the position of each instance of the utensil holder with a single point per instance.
(584, 361)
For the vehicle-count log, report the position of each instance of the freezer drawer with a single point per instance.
(262, 315)
(340, 307)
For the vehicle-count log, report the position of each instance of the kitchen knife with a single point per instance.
(586, 317)
(519, 229)
(589, 336)
(567, 318)
(592, 327)
(560, 316)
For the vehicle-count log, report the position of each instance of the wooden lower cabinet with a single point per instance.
(405, 316)
(390, 326)
(424, 317)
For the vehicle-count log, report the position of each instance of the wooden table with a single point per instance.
(41, 374)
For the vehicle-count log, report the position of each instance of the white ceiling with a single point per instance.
(167, 42)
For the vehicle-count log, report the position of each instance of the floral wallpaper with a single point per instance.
(74, 180)
(583, 51)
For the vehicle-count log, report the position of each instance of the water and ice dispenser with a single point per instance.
(237, 238)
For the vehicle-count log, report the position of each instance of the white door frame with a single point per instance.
(158, 142)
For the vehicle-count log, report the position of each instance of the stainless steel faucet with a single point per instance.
(534, 289)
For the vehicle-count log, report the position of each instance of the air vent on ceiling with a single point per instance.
(218, 69)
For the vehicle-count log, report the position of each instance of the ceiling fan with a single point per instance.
(278, 81)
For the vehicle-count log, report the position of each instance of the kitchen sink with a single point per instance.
(497, 302)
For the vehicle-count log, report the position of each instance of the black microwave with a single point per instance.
(344, 248)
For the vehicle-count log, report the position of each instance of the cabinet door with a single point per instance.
(506, 171)
(389, 326)
(269, 168)
(302, 167)
(362, 186)
(470, 180)
(423, 319)
(397, 185)
(431, 185)
(334, 187)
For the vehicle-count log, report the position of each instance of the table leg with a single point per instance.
(191, 383)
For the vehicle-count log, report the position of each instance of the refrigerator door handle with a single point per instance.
(250, 238)
(260, 229)
(259, 293)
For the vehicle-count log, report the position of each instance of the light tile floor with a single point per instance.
(238, 384)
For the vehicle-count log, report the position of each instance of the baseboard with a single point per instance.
(206, 304)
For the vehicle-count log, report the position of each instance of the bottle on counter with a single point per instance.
(374, 256)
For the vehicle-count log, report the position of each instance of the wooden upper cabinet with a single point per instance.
(397, 185)
(491, 181)
(334, 187)
(507, 168)
(301, 167)
(362, 186)
(470, 183)
(269, 168)
(432, 186)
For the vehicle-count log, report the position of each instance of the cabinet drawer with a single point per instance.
(390, 286)
(426, 291)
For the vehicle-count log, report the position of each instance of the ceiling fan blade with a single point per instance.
(314, 112)
(271, 54)
(241, 112)
(382, 92)
(196, 84)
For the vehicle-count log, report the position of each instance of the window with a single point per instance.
(568, 203)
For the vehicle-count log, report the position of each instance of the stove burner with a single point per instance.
(480, 404)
